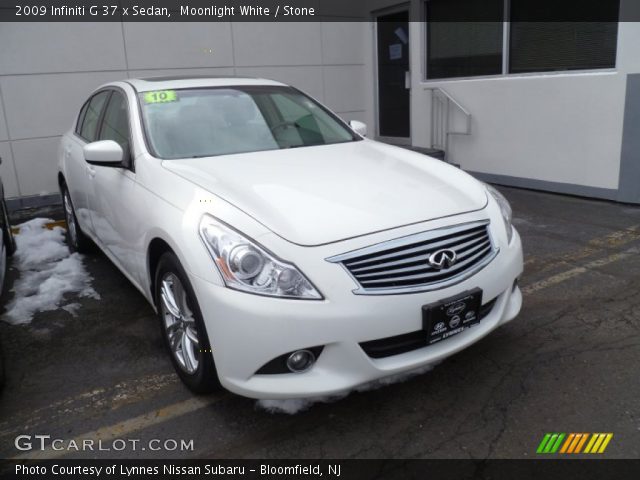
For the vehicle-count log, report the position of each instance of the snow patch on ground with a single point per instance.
(72, 308)
(296, 405)
(291, 406)
(48, 271)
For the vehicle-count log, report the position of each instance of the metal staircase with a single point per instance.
(448, 118)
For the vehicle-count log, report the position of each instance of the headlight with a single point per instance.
(245, 265)
(505, 209)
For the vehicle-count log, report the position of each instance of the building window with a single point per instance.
(557, 46)
(463, 49)
(471, 48)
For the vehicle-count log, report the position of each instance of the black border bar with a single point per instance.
(310, 10)
(538, 469)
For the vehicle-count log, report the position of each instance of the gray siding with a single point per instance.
(48, 69)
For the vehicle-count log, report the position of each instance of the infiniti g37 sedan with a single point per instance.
(285, 253)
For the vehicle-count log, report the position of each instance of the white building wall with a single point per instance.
(554, 127)
(47, 70)
(559, 128)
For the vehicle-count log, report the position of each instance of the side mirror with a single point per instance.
(359, 127)
(106, 153)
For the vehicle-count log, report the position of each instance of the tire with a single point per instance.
(2, 373)
(9, 240)
(3, 266)
(182, 327)
(77, 241)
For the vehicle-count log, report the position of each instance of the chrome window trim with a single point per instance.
(415, 238)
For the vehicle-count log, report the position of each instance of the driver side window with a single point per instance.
(115, 125)
(92, 116)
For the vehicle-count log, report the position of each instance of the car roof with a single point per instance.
(178, 82)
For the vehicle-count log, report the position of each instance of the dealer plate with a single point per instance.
(451, 316)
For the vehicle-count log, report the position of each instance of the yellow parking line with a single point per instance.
(57, 223)
(196, 403)
(50, 226)
(117, 396)
(120, 430)
(614, 239)
(574, 272)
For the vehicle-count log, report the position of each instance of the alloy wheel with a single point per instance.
(179, 323)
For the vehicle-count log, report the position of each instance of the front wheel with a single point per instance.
(182, 326)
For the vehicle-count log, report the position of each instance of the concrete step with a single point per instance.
(432, 152)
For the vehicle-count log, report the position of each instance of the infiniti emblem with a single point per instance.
(444, 258)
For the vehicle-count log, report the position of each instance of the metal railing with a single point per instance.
(448, 118)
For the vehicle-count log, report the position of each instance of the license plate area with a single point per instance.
(451, 316)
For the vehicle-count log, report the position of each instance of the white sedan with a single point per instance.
(286, 254)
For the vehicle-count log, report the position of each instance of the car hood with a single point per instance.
(322, 194)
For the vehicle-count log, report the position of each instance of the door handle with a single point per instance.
(91, 171)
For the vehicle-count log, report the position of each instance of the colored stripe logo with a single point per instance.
(574, 443)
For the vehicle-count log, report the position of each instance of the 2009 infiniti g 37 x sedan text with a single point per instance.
(286, 255)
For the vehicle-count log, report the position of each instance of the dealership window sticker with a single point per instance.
(160, 96)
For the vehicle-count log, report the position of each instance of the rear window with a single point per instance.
(83, 110)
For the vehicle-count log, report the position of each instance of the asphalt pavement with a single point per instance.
(568, 363)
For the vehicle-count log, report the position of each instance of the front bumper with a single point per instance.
(247, 331)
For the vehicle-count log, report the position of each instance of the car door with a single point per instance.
(113, 190)
(75, 166)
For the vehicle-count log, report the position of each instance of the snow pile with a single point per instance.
(292, 406)
(47, 272)
(295, 405)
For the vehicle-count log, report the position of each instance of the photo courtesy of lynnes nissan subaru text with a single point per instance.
(286, 254)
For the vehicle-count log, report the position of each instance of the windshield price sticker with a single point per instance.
(161, 96)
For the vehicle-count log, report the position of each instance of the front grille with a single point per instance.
(403, 264)
(407, 342)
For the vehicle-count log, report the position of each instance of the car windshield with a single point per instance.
(205, 122)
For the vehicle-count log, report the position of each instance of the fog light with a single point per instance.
(301, 361)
